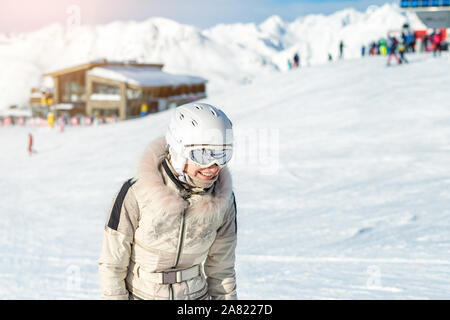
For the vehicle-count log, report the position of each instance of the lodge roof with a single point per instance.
(143, 76)
(102, 62)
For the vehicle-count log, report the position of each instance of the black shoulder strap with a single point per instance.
(114, 218)
(235, 212)
(171, 176)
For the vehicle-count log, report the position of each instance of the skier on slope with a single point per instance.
(436, 39)
(401, 51)
(393, 51)
(296, 60)
(30, 144)
(177, 213)
(341, 49)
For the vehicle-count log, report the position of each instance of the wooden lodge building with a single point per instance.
(121, 89)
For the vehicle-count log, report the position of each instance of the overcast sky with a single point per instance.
(26, 15)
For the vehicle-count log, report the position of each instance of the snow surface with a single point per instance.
(238, 53)
(340, 171)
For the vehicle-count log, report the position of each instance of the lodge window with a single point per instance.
(133, 94)
(102, 88)
(73, 87)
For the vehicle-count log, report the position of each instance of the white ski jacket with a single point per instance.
(151, 228)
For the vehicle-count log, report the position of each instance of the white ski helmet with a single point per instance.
(196, 124)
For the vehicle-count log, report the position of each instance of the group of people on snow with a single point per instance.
(433, 41)
(295, 62)
(397, 47)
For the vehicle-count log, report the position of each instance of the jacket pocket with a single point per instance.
(205, 296)
(201, 294)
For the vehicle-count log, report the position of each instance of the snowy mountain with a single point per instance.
(237, 53)
(340, 172)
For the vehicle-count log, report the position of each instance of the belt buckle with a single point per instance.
(169, 277)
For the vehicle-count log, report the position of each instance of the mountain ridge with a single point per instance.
(226, 53)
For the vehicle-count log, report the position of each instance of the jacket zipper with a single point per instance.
(180, 240)
(179, 248)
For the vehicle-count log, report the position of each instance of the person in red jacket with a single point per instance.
(437, 40)
(30, 144)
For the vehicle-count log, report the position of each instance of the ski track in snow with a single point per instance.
(263, 258)
(356, 208)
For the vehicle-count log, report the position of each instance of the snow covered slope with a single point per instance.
(353, 202)
(236, 53)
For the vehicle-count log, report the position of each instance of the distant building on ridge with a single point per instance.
(433, 13)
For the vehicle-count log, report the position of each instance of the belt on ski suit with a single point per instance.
(166, 277)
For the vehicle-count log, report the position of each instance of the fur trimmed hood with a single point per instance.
(151, 185)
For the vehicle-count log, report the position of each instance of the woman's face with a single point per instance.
(194, 171)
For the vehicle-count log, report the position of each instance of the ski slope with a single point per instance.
(343, 195)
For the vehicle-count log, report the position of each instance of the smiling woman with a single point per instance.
(171, 232)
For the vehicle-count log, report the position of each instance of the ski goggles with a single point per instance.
(205, 156)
